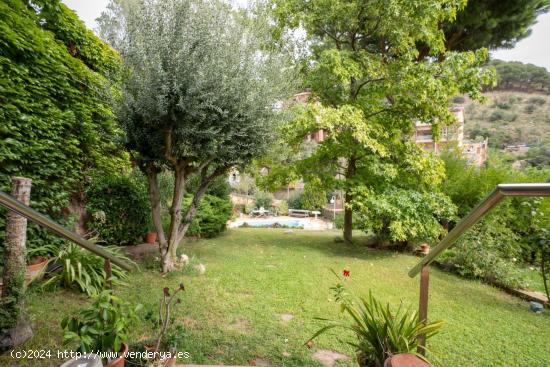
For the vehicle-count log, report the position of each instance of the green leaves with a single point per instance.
(119, 208)
(380, 331)
(57, 124)
(84, 270)
(103, 326)
(404, 215)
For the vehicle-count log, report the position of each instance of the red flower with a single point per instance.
(345, 273)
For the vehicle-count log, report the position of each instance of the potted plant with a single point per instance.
(103, 326)
(380, 331)
(425, 248)
(37, 260)
(151, 237)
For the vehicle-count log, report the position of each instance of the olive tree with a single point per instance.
(198, 96)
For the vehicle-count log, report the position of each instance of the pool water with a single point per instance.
(293, 223)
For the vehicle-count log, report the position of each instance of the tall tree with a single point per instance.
(198, 98)
(364, 70)
(492, 23)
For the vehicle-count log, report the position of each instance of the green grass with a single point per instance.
(232, 312)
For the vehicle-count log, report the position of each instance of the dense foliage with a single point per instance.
(515, 75)
(263, 199)
(492, 24)
(212, 216)
(83, 270)
(405, 216)
(509, 235)
(314, 196)
(511, 118)
(189, 102)
(57, 124)
(372, 86)
(119, 209)
(101, 327)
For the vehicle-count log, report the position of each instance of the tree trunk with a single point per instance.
(166, 262)
(14, 327)
(348, 213)
(175, 213)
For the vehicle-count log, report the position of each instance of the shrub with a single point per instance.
(313, 196)
(405, 215)
(503, 105)
(496, 115)
(84, 270)
(459, 99)
(263, 199)
(249, 207)
(537, 100)
(119, 207)
(246, 185)
(295, 200)
(281, 208)
(212, 216)
(530, 108)
(488, 252)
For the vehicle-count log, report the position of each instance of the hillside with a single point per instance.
(508, 118)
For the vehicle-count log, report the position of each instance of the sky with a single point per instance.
(534, 49)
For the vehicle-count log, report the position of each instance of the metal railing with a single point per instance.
(31, 214)
(500, 192)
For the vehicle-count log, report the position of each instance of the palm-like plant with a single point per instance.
(380, 332)
(84, 270)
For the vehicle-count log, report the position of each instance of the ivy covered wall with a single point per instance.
(56, 82)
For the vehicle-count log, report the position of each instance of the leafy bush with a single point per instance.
(459, 99)
(246, 185)
(405, 215)
(295, 200)
(83, 270)
(119, 207)
(314, 196)
(488, 252)
(281, 208)
(530, 108)
(502, 116)
(212, 216)
(263, 199)
(101, 327)
(538, 100)
(379, 331)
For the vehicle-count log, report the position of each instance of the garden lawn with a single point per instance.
(232, 312)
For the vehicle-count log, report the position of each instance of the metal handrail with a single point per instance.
(31, 214)
(501, 191)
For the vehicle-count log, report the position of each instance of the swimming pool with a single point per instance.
(259, 223)
(305, 223)
(294, 223)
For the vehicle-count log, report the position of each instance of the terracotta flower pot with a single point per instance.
(405, 360)
(151, 237)
(36, 268)
(425, 248)
(119, 362)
